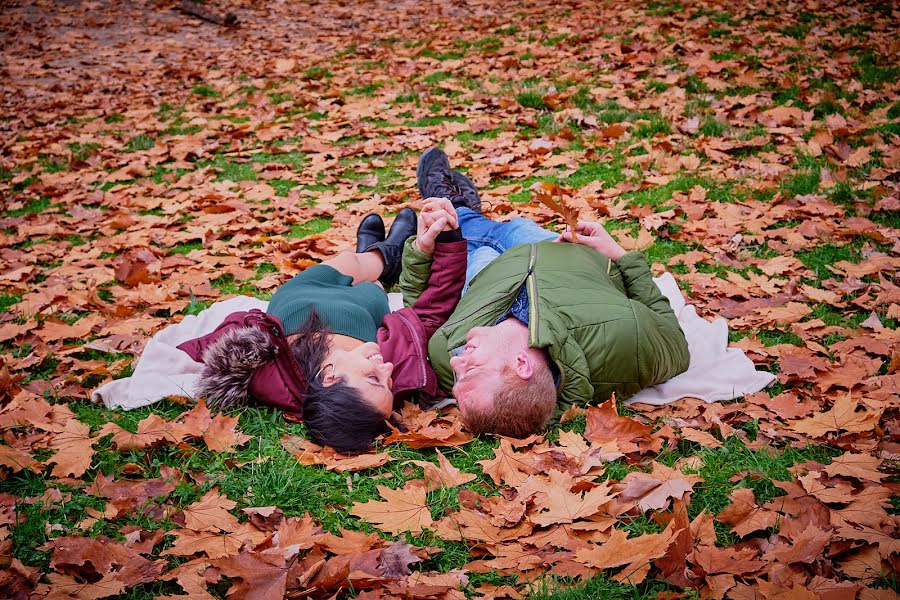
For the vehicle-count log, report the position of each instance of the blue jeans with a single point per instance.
(489, 239)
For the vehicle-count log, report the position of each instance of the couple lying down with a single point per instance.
(509, 318)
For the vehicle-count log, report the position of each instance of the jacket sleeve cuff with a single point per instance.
(633, 264)
(454, 235)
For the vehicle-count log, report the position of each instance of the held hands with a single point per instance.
(437, 215)
(594, 235)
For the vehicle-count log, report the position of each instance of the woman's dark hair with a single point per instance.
(336, 415)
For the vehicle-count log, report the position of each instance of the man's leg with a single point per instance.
(480, 231)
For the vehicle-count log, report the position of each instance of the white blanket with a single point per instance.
(716, 372)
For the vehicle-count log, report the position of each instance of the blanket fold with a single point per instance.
(716, 371)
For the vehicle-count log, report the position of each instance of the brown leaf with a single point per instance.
(210, 513)
(557, 503)
(74, 450)
(261, 577)
(508, 466)
(806, 548)
(213, 544)
(309, 453)
(843, 416)
(621, 550)
(138, 265)
(218, 431)
(551, 196)
(653, 490)
(605, 425)
(444, 475)
(404, 509)
(150, 430)
(745, 515)
(859, 466)
(17, 460)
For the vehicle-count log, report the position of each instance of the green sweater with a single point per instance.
(352, 310)
(604, 324)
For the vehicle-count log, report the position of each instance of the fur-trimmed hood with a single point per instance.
(247, 357)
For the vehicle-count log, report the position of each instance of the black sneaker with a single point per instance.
(437, 180)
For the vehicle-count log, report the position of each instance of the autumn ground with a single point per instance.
(151, 164)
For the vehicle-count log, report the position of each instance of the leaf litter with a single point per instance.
(152, 164)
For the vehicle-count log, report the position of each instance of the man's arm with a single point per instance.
(662, 350)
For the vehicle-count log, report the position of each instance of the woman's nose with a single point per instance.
(386, 367)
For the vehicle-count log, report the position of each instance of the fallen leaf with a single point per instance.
(404, 509)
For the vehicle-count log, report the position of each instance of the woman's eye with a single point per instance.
(374, 378)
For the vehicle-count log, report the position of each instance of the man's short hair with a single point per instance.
(521, 407)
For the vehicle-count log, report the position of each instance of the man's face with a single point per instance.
(480, 367)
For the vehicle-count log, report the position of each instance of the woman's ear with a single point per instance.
(329, 379)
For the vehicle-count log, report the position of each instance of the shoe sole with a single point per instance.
(428, 157)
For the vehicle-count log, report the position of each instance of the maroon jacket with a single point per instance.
(403, 337)
(277, 379)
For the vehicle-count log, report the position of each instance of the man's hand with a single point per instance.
(593, 235)
(437, 215)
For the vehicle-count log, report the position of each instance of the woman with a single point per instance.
(327, 350)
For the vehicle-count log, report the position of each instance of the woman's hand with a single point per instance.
(437, 215)
(594, 236)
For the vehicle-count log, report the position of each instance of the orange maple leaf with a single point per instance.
(552, 196)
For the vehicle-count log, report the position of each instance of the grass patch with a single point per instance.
(531, 99)
(205, 91)
(139, 143)
(8, 300)
(34, 207)
(313, 226)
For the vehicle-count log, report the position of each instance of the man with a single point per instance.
(541, 321)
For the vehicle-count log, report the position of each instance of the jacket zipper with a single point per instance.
(420, 361)
(531, 261)
(531, 282)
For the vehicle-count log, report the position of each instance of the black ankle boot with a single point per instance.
(437, 180)
(370, 231)
(391, 248)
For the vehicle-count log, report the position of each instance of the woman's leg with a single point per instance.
(361, 267)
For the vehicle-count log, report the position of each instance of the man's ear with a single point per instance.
(524, 366)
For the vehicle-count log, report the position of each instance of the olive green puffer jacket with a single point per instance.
(605, 324)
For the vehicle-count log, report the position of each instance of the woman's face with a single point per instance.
(364, 369)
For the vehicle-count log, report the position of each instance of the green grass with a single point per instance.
(33, 207)
(819, 258)
(531, 99)
(875, 70)
(8, 300)
(205, 91)
(139, 143)
(262, 473)
(317, 225)
(230, 170)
